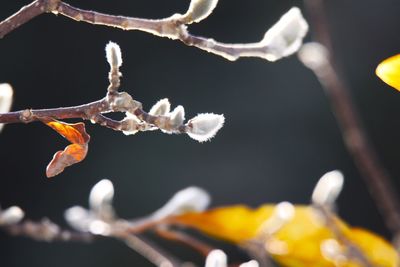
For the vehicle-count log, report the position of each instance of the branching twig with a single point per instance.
(280, 41)
(355, 138)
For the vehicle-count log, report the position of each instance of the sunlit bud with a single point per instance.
(130, 124)
(216, 258)
(113, 54)
(328, 188)
(332, 251)
(204, 126)
(283, 213)
(251, 263)
(101, 195)
(314, 56)
(186, 200)
(177, 116)
(78, 218)
(286, 36)
(11, 215)
(199, 10)
(161, 108)
(389, 71)
(6, 94)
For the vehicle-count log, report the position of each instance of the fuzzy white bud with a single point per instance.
(130, 124)
(328, 188)
(113, 55)
(199, 10)
(286, 36)
(314, 56)
(161, 108)
(285, 211)
(11, 215)
(101, 195)
(187, 200)
(177, 116)
(216, 258)
(203, 127)
(6, 95)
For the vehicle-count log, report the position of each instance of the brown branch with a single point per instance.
(355, 138)
(173, 27)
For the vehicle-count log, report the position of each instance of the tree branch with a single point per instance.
(283, 41)
(354, 136)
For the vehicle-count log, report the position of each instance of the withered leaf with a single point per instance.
(74, 153)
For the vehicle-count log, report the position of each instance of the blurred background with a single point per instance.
(280, 135)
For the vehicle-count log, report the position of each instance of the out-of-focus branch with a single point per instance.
(321, 61)
(282, 40)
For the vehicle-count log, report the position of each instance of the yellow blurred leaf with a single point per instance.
(389, 71)
(297, 243)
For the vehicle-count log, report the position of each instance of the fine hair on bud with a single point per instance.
(113, 54)
(161, 108)
(328, 188)
(286, 36)
(177, 116)
(199, 10)
(203, 127)
(101, 195)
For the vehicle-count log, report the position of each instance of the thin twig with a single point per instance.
(355, 138)
(173, 27)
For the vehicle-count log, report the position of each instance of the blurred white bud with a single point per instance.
(177, 116)
(216, 258)
(313, 55)
(161, 108)
(328, 188)
(101, 196)
(282, 214)
(113, 55)
(251, 263)
(204, 126)
(78, 218)
(187, 200)
(99, 227)
(199, 10)
(6, 95)
(333, 251)
(285, 211)
(286, 36)
(11, 215)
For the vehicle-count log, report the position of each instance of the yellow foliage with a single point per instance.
(298, 242)
(389, 71)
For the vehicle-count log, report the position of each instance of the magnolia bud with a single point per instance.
(12, 215)
(113, 55)
(186, 200)
(328, 188)
(78, 218)
(6, 94)
(199, 10)
(286, 36)
(177, 116)
(314, 56)
(161, 108)
(101, 195)
(204, 126)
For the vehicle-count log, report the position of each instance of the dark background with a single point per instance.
(280, 135)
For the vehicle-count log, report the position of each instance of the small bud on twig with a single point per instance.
(216, 258)
(203, 127)
(286, 36)
(187, 200)
(113, 55)
(314, 56)
(199, 10)
(6, 94)
(101, 196)
(12, 215)
(328, 188)
(161, 108)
